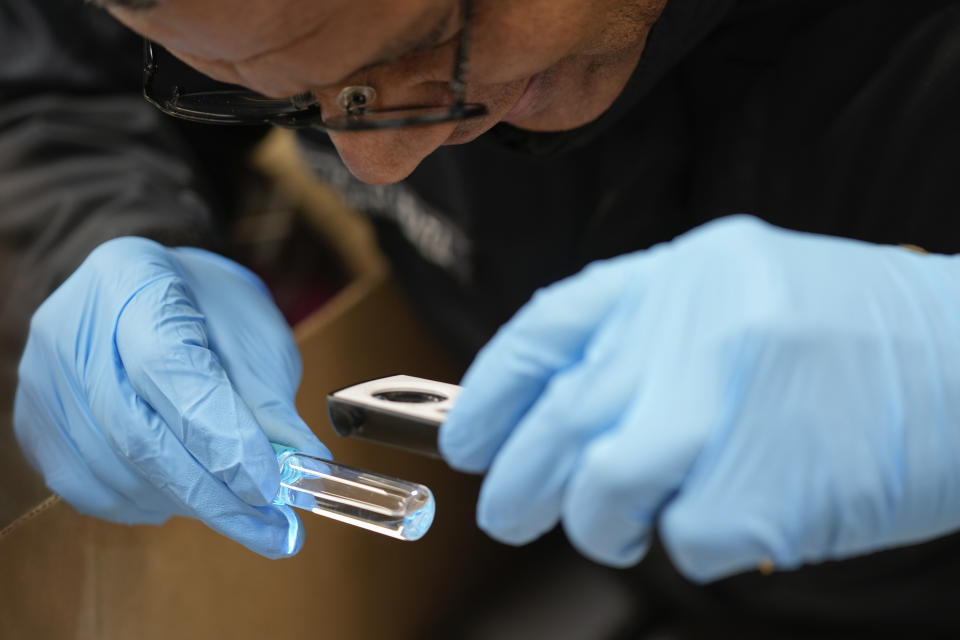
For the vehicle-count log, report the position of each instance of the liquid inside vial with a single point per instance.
(389, 506)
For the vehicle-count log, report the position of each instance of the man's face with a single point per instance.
(542, 65)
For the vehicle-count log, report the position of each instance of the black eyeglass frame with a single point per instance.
(303, 110)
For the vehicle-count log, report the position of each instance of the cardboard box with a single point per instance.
(70, 576)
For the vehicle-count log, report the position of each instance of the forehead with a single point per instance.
(342, 32)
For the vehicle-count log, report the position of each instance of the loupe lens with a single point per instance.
(409, 397)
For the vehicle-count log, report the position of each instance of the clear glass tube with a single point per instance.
(389, 506)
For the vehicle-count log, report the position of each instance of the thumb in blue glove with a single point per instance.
(152, 384)
(760, 395)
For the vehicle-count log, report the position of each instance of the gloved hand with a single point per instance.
(152, 384)
(760, 395)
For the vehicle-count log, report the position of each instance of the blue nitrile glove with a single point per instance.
(152, 384)
(760, 395)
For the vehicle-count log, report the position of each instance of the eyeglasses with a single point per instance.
(215, 103)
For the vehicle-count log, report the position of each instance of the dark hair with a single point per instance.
(126, 4)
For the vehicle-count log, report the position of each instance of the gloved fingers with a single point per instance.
(608, 512)
(741, 507)
(71, 479)
(68, 473)
(624, 479)
(633, 470)
(296, 534)
(522, 495)
(549, 334)
(275, 412)
(244, 327)
(282, 425)
(189, 257)
(273, 531)
(265, 372)
(268, 530)
(709, 540)
(162, 344)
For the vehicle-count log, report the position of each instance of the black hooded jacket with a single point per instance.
(834, 116)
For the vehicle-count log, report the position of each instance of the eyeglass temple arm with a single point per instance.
(149, 67)
(459, 82)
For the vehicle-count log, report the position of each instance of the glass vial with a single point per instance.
(389, 506)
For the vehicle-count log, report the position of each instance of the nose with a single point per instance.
(388, 156)
(383, 156)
